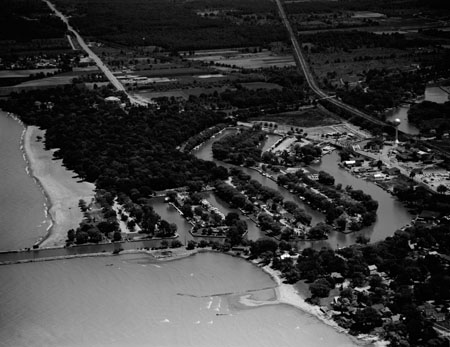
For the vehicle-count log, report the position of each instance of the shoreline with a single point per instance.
(287, 294)
(62, 192)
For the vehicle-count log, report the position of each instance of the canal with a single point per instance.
(392, 215)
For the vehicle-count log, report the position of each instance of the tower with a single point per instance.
(396, 122)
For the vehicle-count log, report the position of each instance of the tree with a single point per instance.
(231, 218)
(71, 235)
(81, 237)
(320, 288)
(191, 245)
(176, 244)
(325, 178)
(263, 245)
(187, 210)
(117, 236)
(341, 223)
(320, 231)
(441, 189)
(365, 320)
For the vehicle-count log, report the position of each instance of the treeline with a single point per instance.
(429, 115)
(385, 6)
(245, 98)
(386, 89)
(419, 199)
(201, 137)
(292, 92)
(171, 25)
(241, 148)
(405, 279)
(323, 195)
(348, 40)
(131, 151)
(25, 20)
(233, 196)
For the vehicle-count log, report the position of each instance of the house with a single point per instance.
(396, 318)
(313, 177)
(112, 99)
(428, 216)
(379, 177)
(373, 269)
(349, 163)
(392, 171)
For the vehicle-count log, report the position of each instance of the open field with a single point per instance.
(259, 60)
(180, 93)
(24, 73)
(261, 85)
(350, 66)
(306, 118)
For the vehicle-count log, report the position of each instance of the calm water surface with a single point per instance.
(22, 203)
(130, 300)
(392, 215)
(434, 94)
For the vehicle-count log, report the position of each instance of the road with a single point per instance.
(115, 82)
(301, 61)
(309, 77)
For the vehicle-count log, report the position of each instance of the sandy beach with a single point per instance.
(289, 295)
(62, 190)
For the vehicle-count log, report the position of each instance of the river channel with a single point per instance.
(392, 215)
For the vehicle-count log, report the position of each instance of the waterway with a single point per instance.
(132, 300)
(434, 94)
(18, 192)
(205, 153)
(392, 215)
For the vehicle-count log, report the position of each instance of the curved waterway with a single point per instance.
(205, 153)
(132, 300)
(392, 215)
(23, 218)
(434, 94)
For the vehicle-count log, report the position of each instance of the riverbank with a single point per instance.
(62, 190)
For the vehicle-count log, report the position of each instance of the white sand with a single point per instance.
(288, 294)
(63, 191)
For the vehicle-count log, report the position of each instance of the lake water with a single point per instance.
(131, 300)
(22, 203)
(434, 94)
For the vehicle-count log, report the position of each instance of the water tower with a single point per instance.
(396, 122)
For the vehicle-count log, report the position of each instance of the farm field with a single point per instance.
(304, 118)
(258, 60)
(261, 85)
(180, 93)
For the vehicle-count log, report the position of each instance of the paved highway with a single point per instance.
(309, 77)
(115, 82)
(301, 61)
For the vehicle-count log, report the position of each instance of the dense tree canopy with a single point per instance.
(130, 151)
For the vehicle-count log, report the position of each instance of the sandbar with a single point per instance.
(63, 191)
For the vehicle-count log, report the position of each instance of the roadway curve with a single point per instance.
(115, 82)
(301, 62)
